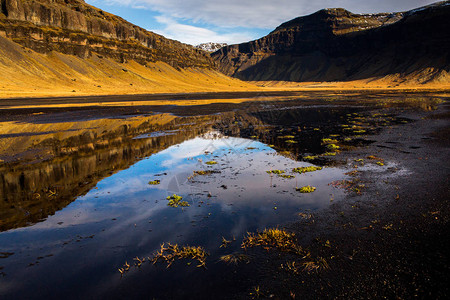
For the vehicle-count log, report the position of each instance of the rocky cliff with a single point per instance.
(337, 45)
(76, 28)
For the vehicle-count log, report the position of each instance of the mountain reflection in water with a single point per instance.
(79, 191)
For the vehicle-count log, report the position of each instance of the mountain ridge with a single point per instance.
(74, 27)
(54, 48)
(337, 45)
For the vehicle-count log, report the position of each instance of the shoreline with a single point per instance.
(195, 98)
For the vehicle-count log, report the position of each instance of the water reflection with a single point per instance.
(124, 216)
(84, 188)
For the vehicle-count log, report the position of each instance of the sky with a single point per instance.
(232, 21)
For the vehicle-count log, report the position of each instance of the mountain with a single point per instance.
(337, 45)
(74, 27)
(211, 47)
(81, 49)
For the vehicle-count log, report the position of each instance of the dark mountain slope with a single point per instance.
(336, 45)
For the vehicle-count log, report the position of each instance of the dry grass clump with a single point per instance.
(284, 241)
(235, 258)
(273, 238)
(315, 264)
(170, 253)
(226, 242)
(329, 141)
(354, 185)
(373, 157)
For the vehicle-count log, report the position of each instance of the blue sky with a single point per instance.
(232, 21)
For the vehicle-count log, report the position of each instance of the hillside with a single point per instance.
(336, 45)
(76, 28)
(67, 47)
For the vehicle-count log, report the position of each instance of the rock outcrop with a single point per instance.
(337, 45)
(74, 27)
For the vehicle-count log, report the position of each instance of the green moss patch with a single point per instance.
(175, 201)
(306, 189)
(302, 170)
(275, 172)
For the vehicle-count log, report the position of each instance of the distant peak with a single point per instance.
(335, 11)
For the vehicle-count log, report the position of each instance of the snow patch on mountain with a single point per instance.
(211, 47)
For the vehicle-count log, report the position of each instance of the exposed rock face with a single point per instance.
(74, 27)
(337, 45)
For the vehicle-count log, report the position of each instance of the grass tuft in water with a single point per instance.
(235, 258)
(310, 157)
(332, 147)
(306, 189)
(329, 141)
(286, 137)
(226, 242)
(315, 264)
(275, 172)
(354, 185)
(359, 131)
(328, 154)
(202, 173)
(175, 201)
(170, 253)
(286, 176)
(302, 170)
(273, 238)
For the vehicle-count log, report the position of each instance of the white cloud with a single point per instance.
(195, 35)
(265, 14)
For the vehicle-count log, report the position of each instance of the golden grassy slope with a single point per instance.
(25, 73)
(424, 80)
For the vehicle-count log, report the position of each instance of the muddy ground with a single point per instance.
(389, 242)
